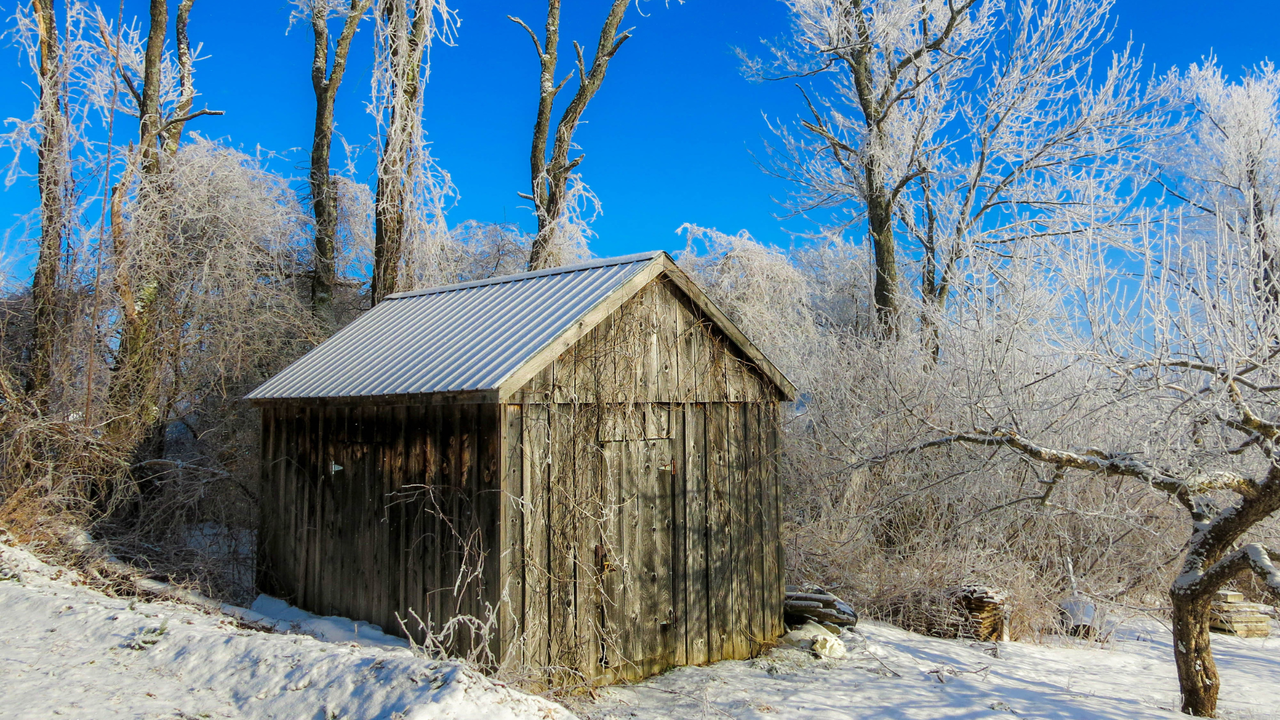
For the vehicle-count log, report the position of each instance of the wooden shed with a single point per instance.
(585, 455)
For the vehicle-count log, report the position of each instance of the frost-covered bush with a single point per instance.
(899, 535)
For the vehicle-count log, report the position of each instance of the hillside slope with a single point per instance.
(68, 651)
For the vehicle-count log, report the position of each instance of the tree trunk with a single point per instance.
(885, 292)
(324, 201)
(1197, 673)
(324, 205)
(133, 394)
(397, 164)
(52, 166)
(388, 242)
(550, 178)
(150, 123)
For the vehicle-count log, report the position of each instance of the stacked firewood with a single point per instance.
(1231, 615)
(983, 613)
(811, 602)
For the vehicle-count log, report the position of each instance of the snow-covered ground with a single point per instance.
(891, 673)
(68, 651)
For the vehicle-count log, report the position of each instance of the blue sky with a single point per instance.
(668, 139)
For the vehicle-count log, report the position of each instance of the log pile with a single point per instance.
(982, 613)
(813, 603)
(1231, 615)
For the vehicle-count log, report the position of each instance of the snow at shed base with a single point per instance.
(891, 674)
(66, 651)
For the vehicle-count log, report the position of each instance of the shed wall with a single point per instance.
(373, 511)
(642, 527)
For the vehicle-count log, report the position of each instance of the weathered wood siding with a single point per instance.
(373, 511)
(640, 528)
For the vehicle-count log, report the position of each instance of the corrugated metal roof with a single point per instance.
(454, 338)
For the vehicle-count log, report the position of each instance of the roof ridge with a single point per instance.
(501, 279)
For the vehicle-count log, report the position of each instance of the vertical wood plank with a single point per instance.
(649, 518)
(366, 514)
(470, 538)
(325, 558)
(768, 559)
(435, 462)
(664, 612)
(634, 539)
(738, 563)
(773, 488)
(615, 626)
(589, 508)
(511, 620)
(679, 638)
(697, 596)
(269, 510)
(536, 431)
(719, 565)
(756, 527)
(489, 515)
(685, 370)
(305, 540)
(412, 491)
(667, 340)
(562, 634)
(388, 582)
(399, 530)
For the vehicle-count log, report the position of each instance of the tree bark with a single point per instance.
(885, 291)
(150, 121)
(171, 132)
(50, 175)
(549, 178)
(1197, 673)
(135, 395)
(324, 202)
(395, 168)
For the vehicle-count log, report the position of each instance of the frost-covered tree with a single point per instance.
(160, 93)
(763, 292)
(1166, 380)
(55, 41)
(1227, 168)
(558, 195)
(412, 190)
(328, 65)
(950, 128)
(52, 177)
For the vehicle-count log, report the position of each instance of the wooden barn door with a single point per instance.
(637, 613)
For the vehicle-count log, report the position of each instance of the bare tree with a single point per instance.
(1227, 168)
(550, 166)
(146, 291)
(326, 77)
(959, 126)
(882, 58)
(52, 175)
(411, 189)
(1167, 380)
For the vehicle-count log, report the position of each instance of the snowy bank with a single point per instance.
(68, 651)
(891, 673)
